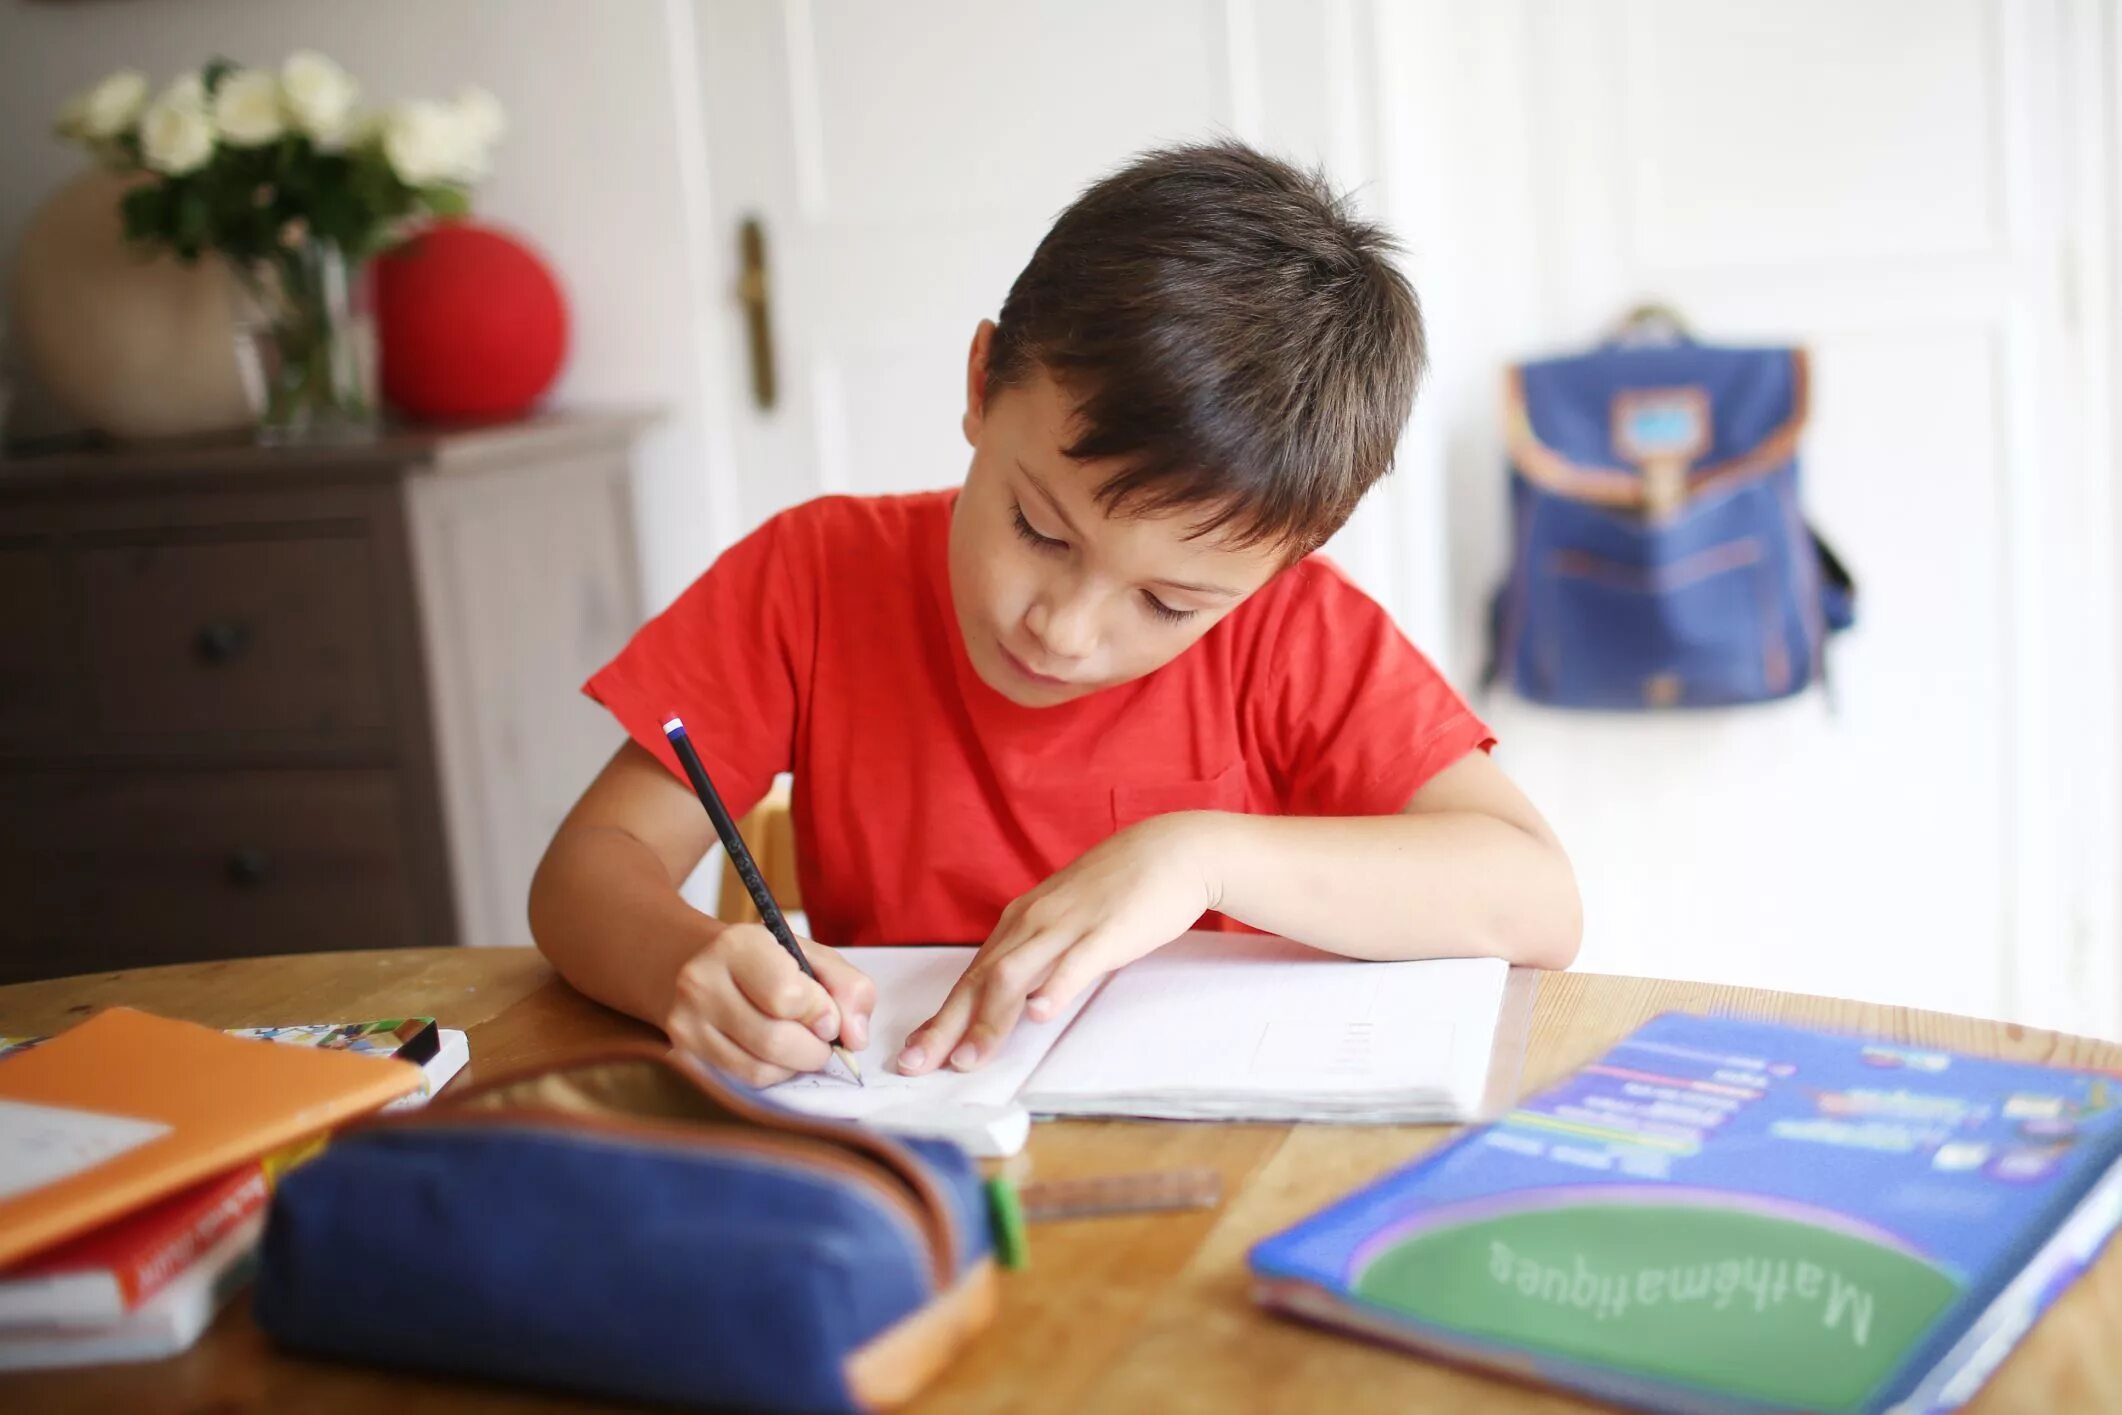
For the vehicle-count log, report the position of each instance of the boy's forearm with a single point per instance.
(1425, 885)
(606, 915)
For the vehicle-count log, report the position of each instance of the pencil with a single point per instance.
(741, 857)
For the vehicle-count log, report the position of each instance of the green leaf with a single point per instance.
(337, 214)
(193, 222)
(217, 68)
(446, 201)
(375, 186)
(368, 186)
(145, 210)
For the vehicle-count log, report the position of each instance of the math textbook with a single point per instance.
(1730, 1216)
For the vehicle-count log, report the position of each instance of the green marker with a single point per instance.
(1006, 1216)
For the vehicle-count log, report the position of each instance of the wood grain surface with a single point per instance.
(1136, 1313)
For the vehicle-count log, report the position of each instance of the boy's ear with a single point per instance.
(976, 380)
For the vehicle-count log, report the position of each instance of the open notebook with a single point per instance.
(1210, 1027)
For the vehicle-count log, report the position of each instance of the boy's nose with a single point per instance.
(1065, 628)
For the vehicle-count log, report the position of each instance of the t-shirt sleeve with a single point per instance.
(1350, 718)
(730, 655)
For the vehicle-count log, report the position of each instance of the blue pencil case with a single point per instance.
(630, 1225)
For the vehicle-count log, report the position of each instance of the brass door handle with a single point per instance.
(753, 292)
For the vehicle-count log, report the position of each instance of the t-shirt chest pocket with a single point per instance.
(1225, 791)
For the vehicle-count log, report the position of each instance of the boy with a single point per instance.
(1095, 694)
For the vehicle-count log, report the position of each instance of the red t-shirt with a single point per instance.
(824, 644)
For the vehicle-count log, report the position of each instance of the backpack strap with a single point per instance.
(1492, 663)
(1838, 608)
(1838, 588)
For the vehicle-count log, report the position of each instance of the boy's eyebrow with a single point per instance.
(1223, 591)
(1051, 499)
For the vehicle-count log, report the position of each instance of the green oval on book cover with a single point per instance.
(1737, 1302)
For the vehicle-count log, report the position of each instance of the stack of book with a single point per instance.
(137, 1155)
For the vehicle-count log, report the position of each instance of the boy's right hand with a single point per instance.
(742, 1005)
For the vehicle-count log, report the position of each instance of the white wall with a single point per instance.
(1902, 186)
(1917, 191)
(600, 170)
(1924, 192)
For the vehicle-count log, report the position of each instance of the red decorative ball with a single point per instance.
(471, 323)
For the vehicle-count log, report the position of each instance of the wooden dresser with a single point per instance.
(258, 700)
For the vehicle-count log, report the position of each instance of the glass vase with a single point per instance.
(306, 344)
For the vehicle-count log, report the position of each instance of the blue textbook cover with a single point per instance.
(1731, 1216)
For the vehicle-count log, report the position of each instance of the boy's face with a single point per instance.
(1056, 599)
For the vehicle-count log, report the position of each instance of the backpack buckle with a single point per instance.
(1662, 431)
(1664, 486)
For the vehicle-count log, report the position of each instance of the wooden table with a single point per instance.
(1119, 1314)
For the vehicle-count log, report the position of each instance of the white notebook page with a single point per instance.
(911, 985)
(1236, 1024)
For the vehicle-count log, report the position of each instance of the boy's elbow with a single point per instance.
(544, 904)
(1557, 950)
(1549, 934)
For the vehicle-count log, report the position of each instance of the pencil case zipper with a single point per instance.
(800, 1156)
(909, 1191)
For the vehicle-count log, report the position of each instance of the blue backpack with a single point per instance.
(1660, 557)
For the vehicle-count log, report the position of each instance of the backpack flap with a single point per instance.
(1660, 554)
(626, 1224)
(1649, 429)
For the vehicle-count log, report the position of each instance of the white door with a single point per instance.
(904, 159)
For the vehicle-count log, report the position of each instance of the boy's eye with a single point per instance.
(1165, 612)
(1032, 537)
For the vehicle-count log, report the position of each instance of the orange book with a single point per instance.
(128, 1107)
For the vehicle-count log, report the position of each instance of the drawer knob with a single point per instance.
(249, 867)
(223, 640)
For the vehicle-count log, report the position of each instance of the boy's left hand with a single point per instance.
(1129, 895)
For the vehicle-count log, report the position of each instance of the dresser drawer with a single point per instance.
(36, 659)
(246, 635)
(105, 871)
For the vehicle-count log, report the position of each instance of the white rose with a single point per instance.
(247, 108)
(320, 97)
(176, 137)
(482, 115)
(187, 90)
(425, 144)
(106, 109)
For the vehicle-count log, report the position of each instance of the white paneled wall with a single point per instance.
(1900, 186)
(1892, 184)
(1923, 191)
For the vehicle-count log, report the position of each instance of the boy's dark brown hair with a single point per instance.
(1230, 333)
